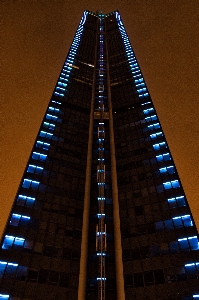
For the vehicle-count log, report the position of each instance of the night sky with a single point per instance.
(36, 38)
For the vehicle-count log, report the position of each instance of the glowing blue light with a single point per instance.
(135, 72)
(196, 296)
(39, 156)
(162, 157)
(19, 216)
(146, 111)
(189, 265)
(170, 184)
(101, 233)
(45, 134)
(154, 136)
(101, 254)
(185, 216)
(101, 198)
(25, 197)
(143, 95)
(100, 215)
(59, 94)
(101, 278)
(138, 75)
(171, 199)
(142, 84)
(56, 102)
(157, 146)
(3, 296)
(145, 102)
(27, 183)
(33, 166)
(16, 215)
(9, 240)
(192, 237)
(139, 80)
(53, 108)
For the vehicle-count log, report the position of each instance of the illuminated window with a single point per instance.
(189, 243)
(169, 170)
(9, 241)
(182, 220)
(177, 201)
(153, 126)
(147, 111)
(163, 157)
(27, 183)
(159, 146)
(42, 145)
(151, 118)
(45, 134)
(49, 125)
(16, 219)
(156, 135)
(171, 184)
(35, 169)
(39, 156)
(24, 200)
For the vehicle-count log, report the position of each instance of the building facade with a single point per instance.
(100, 212)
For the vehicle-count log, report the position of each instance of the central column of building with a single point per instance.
(101, 117)
(116, 215)
(101, 226)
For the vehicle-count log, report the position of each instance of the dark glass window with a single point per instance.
(43, 276)
(66, 253)
(128, 280)
(63, 281)
(139, 210)
(159, 276)
(53, 277)
(21, 273)
(138, 280)
(135, 254)
(32, 275)
(148, 278)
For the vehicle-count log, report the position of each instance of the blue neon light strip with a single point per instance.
(9, 264)
(59, 91)
(192, 264)
(25, 197)
(20, 216)
(174, 199)
(189, 238)
(185, 216)
(3, 296)
(14, 237)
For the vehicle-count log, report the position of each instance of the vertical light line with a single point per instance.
(85, 225)
(101, 227)
(116, 215)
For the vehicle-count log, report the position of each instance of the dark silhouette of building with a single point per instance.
(100, 212)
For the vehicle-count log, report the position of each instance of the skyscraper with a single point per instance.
(100, 212)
